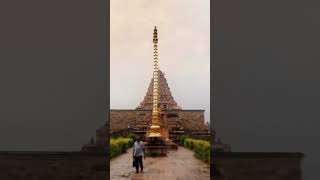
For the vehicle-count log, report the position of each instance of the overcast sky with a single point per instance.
(184, 51)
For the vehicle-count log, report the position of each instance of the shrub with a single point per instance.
(119, 146)
(182, 140)
(200, 147)
(132, 136)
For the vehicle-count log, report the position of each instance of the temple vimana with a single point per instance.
(179, 121)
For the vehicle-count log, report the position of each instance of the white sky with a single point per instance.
(184, 51)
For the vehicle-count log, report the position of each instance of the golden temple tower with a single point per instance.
(157, 134)
(155, 130)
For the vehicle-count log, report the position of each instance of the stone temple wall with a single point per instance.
(192, 119)
(53, 166)
(121, 119)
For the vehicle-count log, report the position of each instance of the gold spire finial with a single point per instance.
(155, 35)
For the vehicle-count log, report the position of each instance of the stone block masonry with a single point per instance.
(122, 119)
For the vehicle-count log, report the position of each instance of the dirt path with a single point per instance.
(178, 165)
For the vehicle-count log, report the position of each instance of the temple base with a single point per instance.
(156, 147)
(171, 145)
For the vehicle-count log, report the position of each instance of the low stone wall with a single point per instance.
(256, 166)
(192, 119)
(53, 166)
(120, 119)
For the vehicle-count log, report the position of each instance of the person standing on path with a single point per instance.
(138, 154)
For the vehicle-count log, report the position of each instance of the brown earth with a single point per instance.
(177, 165)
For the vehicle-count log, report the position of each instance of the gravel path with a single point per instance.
(178, 165)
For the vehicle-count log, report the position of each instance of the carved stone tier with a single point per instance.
(166, 100)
